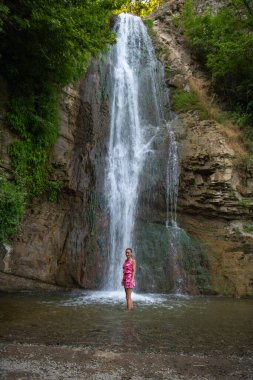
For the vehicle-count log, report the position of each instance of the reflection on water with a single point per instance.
(159, 323)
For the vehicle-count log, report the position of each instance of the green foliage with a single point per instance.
(149, 24)
(223, 42)
(240, 118)
(35, 117)
(44, 45)
(140, 7)
(3, 15)
(248, 228)
(241, 7)
(12, 202)
(54, 189)
(29, 163)
(184, 101)
(50, 42)
(245, 203)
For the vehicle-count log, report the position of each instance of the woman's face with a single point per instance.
(128, 254)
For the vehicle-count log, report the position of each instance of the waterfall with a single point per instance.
(137, 114)
(173, 172)
(139, 174)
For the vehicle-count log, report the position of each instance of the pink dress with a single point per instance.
(127, 274)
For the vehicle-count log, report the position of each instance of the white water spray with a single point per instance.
(137, 112)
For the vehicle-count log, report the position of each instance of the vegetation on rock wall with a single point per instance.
(11, 207)
(44, 45)
(223, 43)
(140, 7)
(184, 101)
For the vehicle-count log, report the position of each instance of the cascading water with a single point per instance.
(137, 113)
(173, 172)
(184, 253)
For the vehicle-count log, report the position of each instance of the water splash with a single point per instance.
(115, 297)
(137, 112)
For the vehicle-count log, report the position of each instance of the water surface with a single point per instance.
(159, 323)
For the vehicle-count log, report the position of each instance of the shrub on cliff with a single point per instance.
(11, 208)
(223, 43)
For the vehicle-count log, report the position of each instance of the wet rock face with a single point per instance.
(210, 179)
(215, 201)
(58, 243)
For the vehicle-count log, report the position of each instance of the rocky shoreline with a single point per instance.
(38, 361)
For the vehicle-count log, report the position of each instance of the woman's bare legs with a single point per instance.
(129, 299)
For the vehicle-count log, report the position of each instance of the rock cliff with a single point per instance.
(57, 243)
(215, 202)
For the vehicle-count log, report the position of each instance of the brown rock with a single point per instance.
(57, 242)
(215, 192)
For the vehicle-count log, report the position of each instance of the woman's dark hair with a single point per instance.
(129, 249)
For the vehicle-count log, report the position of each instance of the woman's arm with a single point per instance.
(134, 270)
(122, 281)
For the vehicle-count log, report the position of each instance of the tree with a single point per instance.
(44, 45)
(223, 42)
(141, 7)
(52, 41)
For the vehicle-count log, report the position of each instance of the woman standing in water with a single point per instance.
(128, 281)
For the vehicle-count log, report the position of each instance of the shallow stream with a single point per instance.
(159, 323)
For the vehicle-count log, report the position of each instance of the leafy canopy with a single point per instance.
(52, 41)
(44, 45)
(140, 7)
(223, 42)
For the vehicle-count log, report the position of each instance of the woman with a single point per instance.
(129, 270)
